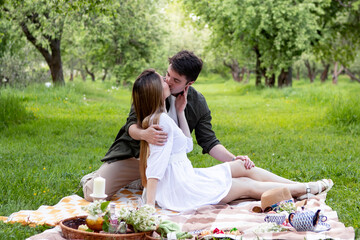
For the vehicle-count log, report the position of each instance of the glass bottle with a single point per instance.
(113, 219)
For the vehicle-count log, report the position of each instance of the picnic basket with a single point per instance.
(72, 233)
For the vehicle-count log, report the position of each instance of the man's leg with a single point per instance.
(117, 175)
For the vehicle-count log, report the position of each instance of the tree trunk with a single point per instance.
(352, 75)
(336, 73)
(258, 67)
(289, 77)
(281, 78)
(105, 74)
(237, 75)
(83, 74)
(271, 80)
(298, 73)
(311, 70)
(56, 63)
(285, 78)
(71, 75)
(247, 75)
(90, 73)
(53, 59)
(325, 72)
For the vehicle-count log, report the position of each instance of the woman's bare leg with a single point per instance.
(238, 170)
(248, 188)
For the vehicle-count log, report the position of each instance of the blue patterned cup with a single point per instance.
(275, 218)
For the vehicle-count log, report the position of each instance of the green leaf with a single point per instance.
(106, 222)
(104, 206)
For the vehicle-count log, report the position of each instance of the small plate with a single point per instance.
(321, 227)
(222, 236)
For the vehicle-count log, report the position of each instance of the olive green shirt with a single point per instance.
(197, 114)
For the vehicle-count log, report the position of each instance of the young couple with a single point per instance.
(165, 111)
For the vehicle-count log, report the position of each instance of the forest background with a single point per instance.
(257, 54)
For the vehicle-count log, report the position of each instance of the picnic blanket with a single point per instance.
(68, 207)
(238, 214)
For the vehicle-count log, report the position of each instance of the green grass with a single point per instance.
(12, 110)
(307, 132)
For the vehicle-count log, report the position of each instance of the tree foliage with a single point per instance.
(125, 39)
(118, 38)
(279, 31)
(42, 22)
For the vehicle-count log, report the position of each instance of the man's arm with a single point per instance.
(152, 135)
(220, 153)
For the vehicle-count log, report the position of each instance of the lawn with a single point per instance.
(305, 133)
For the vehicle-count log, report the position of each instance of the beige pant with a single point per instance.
(117, 175)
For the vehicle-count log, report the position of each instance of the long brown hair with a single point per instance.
(147, 97)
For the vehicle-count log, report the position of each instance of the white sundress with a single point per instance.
(182, 187)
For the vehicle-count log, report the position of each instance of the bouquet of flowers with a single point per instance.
(96, 208)
(142, 219)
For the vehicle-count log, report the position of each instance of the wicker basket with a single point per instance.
(71, 233)
(149, 237)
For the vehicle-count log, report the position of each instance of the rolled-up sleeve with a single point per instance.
(131, 119)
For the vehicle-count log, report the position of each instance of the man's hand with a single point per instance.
(154, 135)
(247, 162)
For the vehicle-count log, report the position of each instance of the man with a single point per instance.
(121, 164)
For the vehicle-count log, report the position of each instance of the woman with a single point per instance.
(167, 173)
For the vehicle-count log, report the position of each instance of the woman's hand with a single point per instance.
(247, 162)
(181, 100)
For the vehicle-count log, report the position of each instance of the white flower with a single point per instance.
(141, 219)
(94, 208)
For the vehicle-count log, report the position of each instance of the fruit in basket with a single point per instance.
(83, 227)
(95, 222)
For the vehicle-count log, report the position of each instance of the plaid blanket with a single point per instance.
(238, 214)
(68, 207)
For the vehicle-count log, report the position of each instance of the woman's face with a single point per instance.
(166, 89)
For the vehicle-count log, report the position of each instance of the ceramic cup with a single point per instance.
(275, 218)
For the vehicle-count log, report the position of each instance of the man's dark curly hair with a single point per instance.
(186, 63)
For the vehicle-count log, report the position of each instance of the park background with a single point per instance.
(282, 79)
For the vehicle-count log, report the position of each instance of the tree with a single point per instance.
(277, 31)
(121, 42)
(339, 36)
(16, 60)
(42, 22)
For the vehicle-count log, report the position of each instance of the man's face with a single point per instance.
(176, 82)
